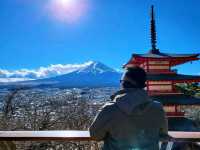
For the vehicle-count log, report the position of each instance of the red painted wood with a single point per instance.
(153, 71)
(175, 114)
(181, 80)
(154, 93)
(152, 84)
(173, 61)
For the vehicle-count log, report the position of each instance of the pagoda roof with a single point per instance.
(165, 55)
(178, 99)
(155, 54)
(173, 77)
(175, 59)
(181, 124)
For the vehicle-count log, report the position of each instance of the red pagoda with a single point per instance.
(162, 80)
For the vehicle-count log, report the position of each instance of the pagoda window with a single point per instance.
(160, 67)
(173, 110)
(142, 65)
(145, 67)
(160, 88)
(179, 109)
(170, 109)
(160, 82)
(159, 62)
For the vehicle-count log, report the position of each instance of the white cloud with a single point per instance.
(42, 72)
(13, 79)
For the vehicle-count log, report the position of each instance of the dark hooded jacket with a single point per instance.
(131, 122)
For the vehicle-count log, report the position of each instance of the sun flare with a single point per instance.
(66, 2)
(68, 10)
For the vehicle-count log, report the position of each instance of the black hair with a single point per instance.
(127, 84)
(136, 74)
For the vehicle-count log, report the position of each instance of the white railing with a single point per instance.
(76, 135)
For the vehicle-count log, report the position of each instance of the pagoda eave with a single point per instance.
(175, 114)
(181, 124)
(138, 59)
(175, 62)
(177, 100)
(166, 56)
(175, 78)
(178, 81)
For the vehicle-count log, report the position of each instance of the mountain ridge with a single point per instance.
(94, 74)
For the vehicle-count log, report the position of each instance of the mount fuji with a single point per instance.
(94, 74)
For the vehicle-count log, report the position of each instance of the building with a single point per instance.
(162, 80)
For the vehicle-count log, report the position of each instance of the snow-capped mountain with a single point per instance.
(42, 72)
(95, 74)
(95, 67)
(91, 74)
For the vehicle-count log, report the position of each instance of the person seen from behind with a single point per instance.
(131, 121)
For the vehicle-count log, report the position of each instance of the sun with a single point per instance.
(66, 2)
(68, 10)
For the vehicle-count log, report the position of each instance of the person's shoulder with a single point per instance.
(156, 105)
(109, 107)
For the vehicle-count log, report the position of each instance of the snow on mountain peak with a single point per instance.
(96, 67)
(52, 71)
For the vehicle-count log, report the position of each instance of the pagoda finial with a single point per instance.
(154, 50)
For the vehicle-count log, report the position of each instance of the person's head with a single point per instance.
(134, 77)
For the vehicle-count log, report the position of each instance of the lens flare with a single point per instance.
(68, 10)
(66, 2)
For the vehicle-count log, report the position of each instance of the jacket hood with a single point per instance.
(132, 100)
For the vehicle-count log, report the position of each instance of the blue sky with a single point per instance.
(108, 31)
